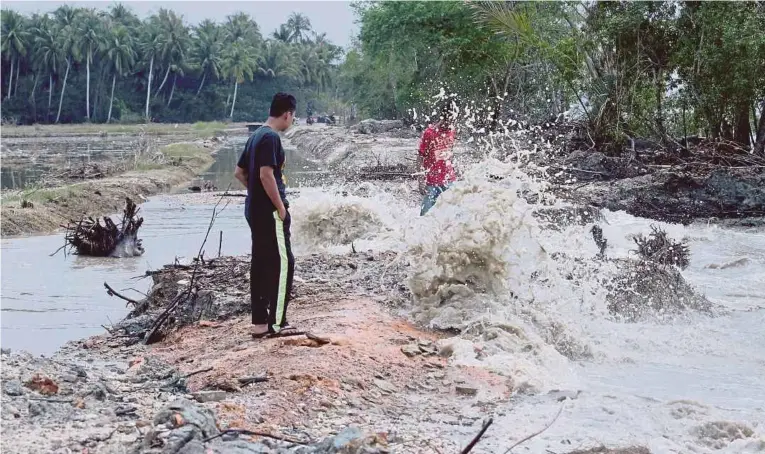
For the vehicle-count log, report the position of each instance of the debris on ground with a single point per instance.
(660, 249)
(89, 237)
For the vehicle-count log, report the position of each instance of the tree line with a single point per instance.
(628, 69)
(89, 65)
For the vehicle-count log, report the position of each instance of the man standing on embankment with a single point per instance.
(260, 169)
(435, 156)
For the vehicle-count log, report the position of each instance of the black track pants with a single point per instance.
(271, 270)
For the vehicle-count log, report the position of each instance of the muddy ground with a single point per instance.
(364, 379)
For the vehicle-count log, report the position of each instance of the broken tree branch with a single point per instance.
(257, 434)
(535, 433)
(111, 292)
(475, 439)
(151, 334)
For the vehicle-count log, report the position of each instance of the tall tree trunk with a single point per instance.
(63, 89)
(16, 81)
(167, 73)
(204, 75)
(759, 143)
(111, 102)
(148, 88)
(98, 94)
(236, 85)
(743, 128)
(87, 85)
(172, 90)
(10, 81)
(34, 87)
(659, 106)
(50, 94)
(32, 98)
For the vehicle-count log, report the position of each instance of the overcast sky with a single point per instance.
(335, 18)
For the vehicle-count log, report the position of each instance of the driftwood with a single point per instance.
(660, 249)
(89, 237)
(191, 293)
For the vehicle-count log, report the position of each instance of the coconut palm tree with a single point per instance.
(90, 37)
(299, 27)
(120, 14)
(65, 33)
(150, 47)
(49, 56)
(206, 50)
(14, 44)
(278, 60)
(282, 34)
(240, 27)
(174, 40)
(240, 62)
(120, 53)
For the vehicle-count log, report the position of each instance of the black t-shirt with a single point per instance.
(263, 148)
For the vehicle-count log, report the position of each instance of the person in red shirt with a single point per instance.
(435, 157)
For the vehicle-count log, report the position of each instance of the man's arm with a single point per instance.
(241, 175)
(269, 185)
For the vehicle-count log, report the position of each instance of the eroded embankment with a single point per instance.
(370, 150)
(43, 210)
(707, 180)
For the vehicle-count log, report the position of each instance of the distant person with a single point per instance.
(272, 268)
(435, 157)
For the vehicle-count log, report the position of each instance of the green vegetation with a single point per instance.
(77, 65)
(631, 69)
(661, 70)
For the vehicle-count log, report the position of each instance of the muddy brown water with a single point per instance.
(48, 301)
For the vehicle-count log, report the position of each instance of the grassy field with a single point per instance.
(199, 129)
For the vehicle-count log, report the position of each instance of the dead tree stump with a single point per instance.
(89, 237)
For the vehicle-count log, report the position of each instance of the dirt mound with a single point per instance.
(372, 126)
(219, 289)
(644, 289)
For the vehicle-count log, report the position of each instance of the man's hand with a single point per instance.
(272, 190)
(241, 175)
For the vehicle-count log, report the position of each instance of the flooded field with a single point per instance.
(26, 160)
(48, 301)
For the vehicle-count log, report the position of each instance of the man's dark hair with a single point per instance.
(282, 102)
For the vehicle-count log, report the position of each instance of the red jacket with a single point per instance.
(436, 148)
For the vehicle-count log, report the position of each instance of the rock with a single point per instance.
(36, 408)
(560, 396)
(99, 392)
(42, 384)
(13, 388)
(5, 351)
(179, 438)
(385, 386)
(410, 350)
(184, 412)
(604, 450)
(68, 378)
(466, 390)
(446, 351)
(209, 396)
(79, 371)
